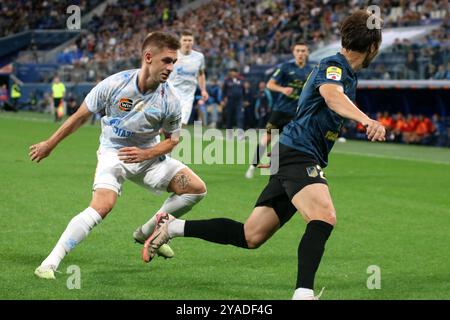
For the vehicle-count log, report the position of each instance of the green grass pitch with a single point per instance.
(392, 202)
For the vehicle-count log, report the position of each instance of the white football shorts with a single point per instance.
(154, 175)
(186, 103)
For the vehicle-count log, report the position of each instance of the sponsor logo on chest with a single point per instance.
(125, 104)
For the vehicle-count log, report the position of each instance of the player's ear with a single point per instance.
(148, 56)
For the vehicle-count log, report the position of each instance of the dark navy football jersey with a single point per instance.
(289, 74)
(316, 127)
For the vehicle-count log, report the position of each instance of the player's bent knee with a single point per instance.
(103, 201)
(103, 207)
(102, 210)
(331, 219)
(327, 212)
(329, 216)
(199, 188)
(254, 241)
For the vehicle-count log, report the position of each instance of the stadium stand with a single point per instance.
(253, 36)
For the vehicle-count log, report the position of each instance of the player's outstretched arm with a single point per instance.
(202, 85)
(274, 86)
(338, 101)
(43, 149)
(136, 155)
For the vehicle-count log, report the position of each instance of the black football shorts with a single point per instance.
(296, 171)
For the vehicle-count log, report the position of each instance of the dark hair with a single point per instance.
(187, 32)
(355, 33)
(298, 43)
(161, 40)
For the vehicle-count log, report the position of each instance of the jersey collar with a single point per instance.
(346, 64)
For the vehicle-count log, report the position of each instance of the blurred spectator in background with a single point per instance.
(441, 132)
(72, 105)
(422, 133)
(448, 71)
(412, 67)
(400, 123)
(58, 92)
(249, 106)
(430, 71)
(409, 128)
(46, 104)
(3, 97)
(16, 93)
(213, 103)
(263, 105)
(233, 100)
(441, 74)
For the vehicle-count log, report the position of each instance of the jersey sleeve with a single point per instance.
(172, 122)
(97, 97)
(330, 72)
(278, 75)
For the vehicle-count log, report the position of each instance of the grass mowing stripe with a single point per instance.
(381, 156)
(392, 214)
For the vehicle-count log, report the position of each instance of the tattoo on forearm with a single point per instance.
(182, 180)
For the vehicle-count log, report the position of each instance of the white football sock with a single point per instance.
(176, 228)
(303, 294)
(176, 205)
(77, 229)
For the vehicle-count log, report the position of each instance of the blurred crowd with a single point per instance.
(113, 41)
(253, 32)
(234, 35)
(22, 15)
(239, 34)
(425, 58)
(249, 107)
(409, 129)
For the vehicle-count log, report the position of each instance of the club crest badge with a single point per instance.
(312, 172)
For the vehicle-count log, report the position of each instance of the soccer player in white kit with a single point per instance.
(188, 72)
(138, 104)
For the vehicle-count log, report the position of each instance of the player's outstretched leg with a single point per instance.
(188, 190)
(259, 227)
(77, 230)
(314, 202)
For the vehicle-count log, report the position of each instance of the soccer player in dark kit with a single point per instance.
(300, 184)
(288, 81)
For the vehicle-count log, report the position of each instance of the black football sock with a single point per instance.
(310, 252)
(219, 230)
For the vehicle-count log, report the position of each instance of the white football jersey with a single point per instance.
(133, 119)
(185, 73)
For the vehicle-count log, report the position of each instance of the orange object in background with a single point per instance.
(60, 110)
